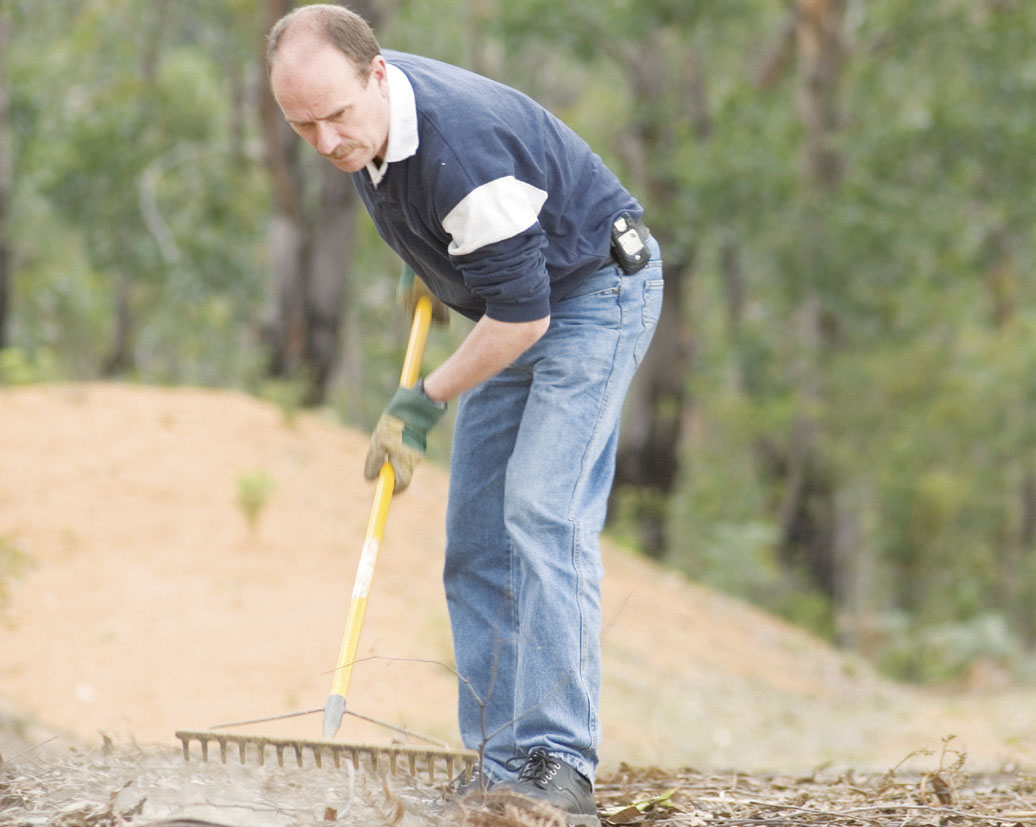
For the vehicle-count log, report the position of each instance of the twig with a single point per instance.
(27, 750)
(850, 814)
(267, 719)
(778, 806)
(945, 811)
(402, 730)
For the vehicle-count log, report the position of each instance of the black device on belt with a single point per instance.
(629, 243)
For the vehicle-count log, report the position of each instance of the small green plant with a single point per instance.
(253, 494)
(13, 563)
(19, 367)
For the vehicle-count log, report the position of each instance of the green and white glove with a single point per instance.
(400, 437)
(411, 288)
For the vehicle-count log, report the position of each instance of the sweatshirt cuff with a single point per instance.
(519, 312)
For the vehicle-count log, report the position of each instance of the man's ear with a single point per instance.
(379, 72)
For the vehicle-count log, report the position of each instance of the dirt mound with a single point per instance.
(151, 606)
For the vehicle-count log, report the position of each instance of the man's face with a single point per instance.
(324, 100)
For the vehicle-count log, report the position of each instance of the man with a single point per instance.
(509, 218)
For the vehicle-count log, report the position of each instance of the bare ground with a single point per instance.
(150, 606)
(111, 787)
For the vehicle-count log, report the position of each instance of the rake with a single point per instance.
(396, 758)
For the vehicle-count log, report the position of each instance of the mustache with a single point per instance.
(340, 151)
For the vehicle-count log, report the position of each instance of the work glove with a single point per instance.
(400, 435)
(411, 288)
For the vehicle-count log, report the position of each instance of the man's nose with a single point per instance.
(325, 140)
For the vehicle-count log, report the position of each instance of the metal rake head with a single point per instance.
(431, 762)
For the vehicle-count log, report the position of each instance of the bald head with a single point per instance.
(303, 29)
(331, 82)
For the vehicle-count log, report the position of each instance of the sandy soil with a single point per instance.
(150, 606)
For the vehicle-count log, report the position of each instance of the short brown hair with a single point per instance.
(336, 25)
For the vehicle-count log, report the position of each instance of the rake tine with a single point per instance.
(395, 759)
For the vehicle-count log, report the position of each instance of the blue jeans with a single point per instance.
(531, 470)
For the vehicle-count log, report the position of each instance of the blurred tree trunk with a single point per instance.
(310, 248)
(1021, 587)
(657, 406)
(810, 509)
(1017, 541)
(821, 56)
(330, 271)
(284, 323)
(6, 263)
(120, 357)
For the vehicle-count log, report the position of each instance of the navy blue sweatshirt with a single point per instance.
(492, 200)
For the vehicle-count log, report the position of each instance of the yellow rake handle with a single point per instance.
(379, 514)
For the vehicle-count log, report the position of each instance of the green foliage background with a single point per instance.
(138, 178)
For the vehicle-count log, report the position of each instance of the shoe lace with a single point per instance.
(539, 767)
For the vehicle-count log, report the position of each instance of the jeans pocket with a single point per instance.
(651, 312)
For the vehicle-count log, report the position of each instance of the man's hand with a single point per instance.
(400, 435)
(411, 288)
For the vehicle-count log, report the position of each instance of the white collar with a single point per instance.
(402, 135)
